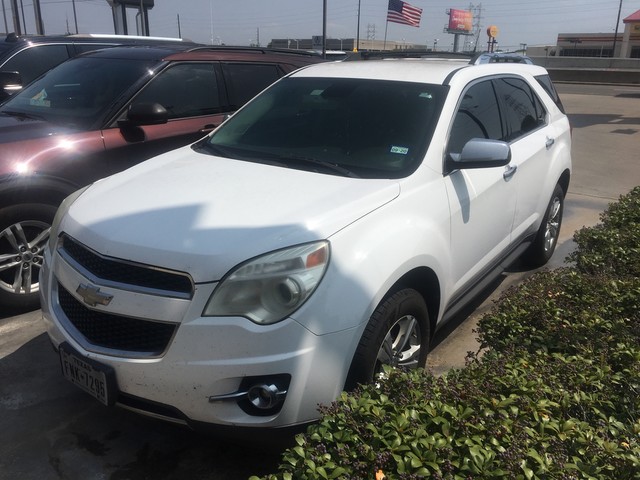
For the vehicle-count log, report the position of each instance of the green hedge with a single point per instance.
(555, 394)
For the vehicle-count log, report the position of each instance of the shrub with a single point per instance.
(531, 416)
(555, 395)
(569, 312)
(613, 246)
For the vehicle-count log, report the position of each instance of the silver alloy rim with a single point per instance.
(20, 266)
(401, 345)
(553, 225)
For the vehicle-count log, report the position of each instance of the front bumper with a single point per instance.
(206, 362)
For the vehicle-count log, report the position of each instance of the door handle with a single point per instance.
(549, 143)
(207, 128)
(509, 171)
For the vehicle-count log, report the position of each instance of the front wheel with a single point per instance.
(542, 248)
(24, 233)
(397, 335)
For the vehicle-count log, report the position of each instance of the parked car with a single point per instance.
(327, 229)
(102, 112)
(23, 58)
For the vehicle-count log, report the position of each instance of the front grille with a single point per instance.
(116, 332)
(119, 271)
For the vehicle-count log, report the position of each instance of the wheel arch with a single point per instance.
(34, 190)
(563, 181)
(425, 281)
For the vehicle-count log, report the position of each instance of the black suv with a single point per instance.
(24, 58)
(102, 112)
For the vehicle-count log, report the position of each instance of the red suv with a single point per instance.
(100, 113)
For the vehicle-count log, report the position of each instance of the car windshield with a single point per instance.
(78, 93)
(356, 127)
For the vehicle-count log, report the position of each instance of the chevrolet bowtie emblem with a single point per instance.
(92, 296)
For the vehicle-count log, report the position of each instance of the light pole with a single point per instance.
(435, 44)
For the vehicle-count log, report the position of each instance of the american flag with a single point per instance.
(402, 12)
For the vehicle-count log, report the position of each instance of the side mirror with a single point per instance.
(10, 82)
(145, 114)
(480, 153)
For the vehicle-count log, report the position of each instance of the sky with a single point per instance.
(245, 22)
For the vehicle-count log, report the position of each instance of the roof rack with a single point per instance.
(500, 57)
(256, 50)
(106, 36)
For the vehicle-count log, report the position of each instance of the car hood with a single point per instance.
(18, 129)
(204, 214)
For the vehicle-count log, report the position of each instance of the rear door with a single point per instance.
(532, 143)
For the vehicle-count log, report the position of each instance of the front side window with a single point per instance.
(478, 116)
(184, 90)
(357, 127)
(78, 93)
(523, 110)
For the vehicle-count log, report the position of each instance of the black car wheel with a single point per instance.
(24, 233)
(542, 248)
(397, 335)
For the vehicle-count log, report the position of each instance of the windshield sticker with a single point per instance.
(426, 95)
(40, 99)
(317, 92)
(400, 150)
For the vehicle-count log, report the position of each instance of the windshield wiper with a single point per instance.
(314, 161)
(269, 158)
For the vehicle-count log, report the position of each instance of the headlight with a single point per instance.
(269, 288)
(62, 210)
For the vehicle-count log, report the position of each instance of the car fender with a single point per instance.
(370, 256)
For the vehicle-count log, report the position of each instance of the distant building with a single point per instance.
(627, 43)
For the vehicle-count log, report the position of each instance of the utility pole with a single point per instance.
(357, 30)
(615, 35)
(75, 16)
(16, 17)
(4, 14)
(477, 23)
(38, 17)
(324, 28)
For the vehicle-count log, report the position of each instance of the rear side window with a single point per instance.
(546, 83)
(477, 116)
(184, 90)
(246, 80)
(33, 62)
(523, 109)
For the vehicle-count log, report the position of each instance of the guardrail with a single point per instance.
(592, 70)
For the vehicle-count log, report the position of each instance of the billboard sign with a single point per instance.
(460, 21)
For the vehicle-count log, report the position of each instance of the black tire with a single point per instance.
(24, 233)
(542, 248)
(404, 311)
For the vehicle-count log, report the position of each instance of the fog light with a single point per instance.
(265, 396)
(260, 396)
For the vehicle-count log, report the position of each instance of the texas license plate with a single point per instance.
(94, 378)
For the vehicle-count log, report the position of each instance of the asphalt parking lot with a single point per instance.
(51, 430)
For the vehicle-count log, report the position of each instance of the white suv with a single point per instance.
(330, 226)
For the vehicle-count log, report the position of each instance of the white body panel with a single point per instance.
(202, 216)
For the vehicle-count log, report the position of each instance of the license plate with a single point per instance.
(94, 378)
